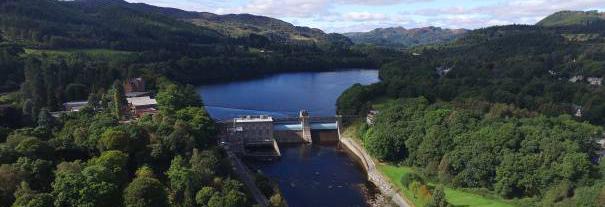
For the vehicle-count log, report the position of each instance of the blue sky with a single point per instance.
(365, 15)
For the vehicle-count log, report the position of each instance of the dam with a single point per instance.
(259, 136)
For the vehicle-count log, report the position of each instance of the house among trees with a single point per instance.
(135, 87)
(74, 106)
(139, 100)
(595, 81)
(443, 70)
(140, 106)
(371, 117)
(576, 78)
(577, 110)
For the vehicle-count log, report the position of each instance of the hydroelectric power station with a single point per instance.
(259, 136)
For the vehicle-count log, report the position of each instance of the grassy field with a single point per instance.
(454, 196)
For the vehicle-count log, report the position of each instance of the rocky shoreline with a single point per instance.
(374, 175)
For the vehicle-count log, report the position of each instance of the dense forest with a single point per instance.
(94, 158)
(513, 110)
(159, 40)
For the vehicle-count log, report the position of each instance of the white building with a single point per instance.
(595, 81)
(576, 78)
(253, 129)
(371, 117)
(74, 106)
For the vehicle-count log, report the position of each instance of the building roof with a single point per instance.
(136, 94)
(75, 103)
(141, 101)
(261, 118)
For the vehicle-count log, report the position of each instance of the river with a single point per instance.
(308, 175)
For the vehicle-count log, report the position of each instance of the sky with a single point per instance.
(364, 15)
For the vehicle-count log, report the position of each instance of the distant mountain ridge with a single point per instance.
(118, 24)
(236, 25)
(402, 37)
(572, 18)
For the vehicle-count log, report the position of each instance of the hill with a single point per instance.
(242, 25)
(401, 37)
(190, 47)
(513, 80)
(235, 25)
(568, 18)
(58, 24)
(117, 24)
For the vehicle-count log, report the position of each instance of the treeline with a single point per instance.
(11, 66)
(157, 43)
(530, 67)
(55, 24)
(500, 112)
(498, 147)
(90, 158)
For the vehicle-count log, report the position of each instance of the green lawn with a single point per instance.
(454, 196)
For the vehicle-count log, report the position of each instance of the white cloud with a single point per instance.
(337, 15)
(509, 12)
(363, 16)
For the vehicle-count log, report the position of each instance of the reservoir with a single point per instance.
(308, 175)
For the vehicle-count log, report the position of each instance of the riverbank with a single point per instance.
(387, 178)
(374, 175)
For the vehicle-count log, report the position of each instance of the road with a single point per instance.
(246, 176)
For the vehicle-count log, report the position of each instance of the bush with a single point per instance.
(409, 178)
(203, 196)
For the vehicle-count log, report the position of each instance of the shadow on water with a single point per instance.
(318, 175)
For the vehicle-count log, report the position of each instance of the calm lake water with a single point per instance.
(282, 95)
(308, 175)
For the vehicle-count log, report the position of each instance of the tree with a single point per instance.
(235, 199)
(145, 191)
(37, 172)
(145, 171)
(118, 99)
(34, 200)
(385, 143)
(75, 92)
(95, 187)
(10, 179)
(173, 97)
(34, 148)
(114, 139)
(182, 182)
(45, 120)
(216, 201)
(25, 197)
(199, 123)
(203, 196)
(94, 101)
(204, 164)
(408, 178)
(277, 201)
(232, 185)
(114, 161)
(438, 198)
